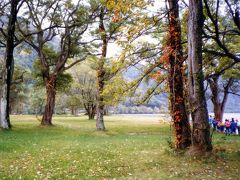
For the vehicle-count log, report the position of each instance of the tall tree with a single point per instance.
(101, 72)
(8, 63)
(62, 23)
(113, 17)
(221, 48)
(83, 90)
(175, 78)
(201, 140)
(221, 30)
(218, 102)
(221, 85)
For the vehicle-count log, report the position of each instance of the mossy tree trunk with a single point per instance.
(101, 74)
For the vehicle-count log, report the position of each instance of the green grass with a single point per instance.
(131, 148)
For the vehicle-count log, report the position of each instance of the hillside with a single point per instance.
(161, 100)
(156, 102)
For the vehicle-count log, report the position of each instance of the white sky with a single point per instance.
(113, 49)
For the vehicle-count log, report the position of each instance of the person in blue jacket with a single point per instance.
(233, 126)
(210, 121)
(214, 123)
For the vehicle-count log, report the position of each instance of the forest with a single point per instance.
(70, 68)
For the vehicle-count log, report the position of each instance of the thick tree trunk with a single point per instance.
(218, 111)
(91, 111)
(74, 111)
(100, 100)
(101, 75)
(8, 66)
(175, 79)
(201, 140)
(50, 84)
(91, 115)
(4, 118)
(217, 105)
(100, 112)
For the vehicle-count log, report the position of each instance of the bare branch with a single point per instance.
(74, 63)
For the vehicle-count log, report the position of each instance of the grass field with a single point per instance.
(131, 148)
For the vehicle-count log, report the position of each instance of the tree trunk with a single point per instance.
(50, 84)
(218, 112)
(201, 140)
(91, 111)
(5, 123)
(92, 115)
(101, 74)
(73, 111)
(8, 66)
(175, 79)
(100, 100)
(218, 104)
(100, 112)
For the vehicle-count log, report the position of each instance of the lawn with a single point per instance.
(131, 148)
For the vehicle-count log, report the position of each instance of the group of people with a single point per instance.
(228, 126)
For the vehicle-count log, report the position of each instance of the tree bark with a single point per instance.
(8, 66)
(91, 111)
(201, 140)
(5, 123)
(100, 75)
(50, 83)
(92, 114)
(100, 113)
(73, 111)
(175, 79)
(218, 104)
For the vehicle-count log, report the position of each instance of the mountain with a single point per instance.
(161, 100)
(26, 60)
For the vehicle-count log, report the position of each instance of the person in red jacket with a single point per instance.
(227, 125)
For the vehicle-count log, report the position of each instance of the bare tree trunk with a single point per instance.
(100, 100)
(218, 111)
(218, 104)
(92, 114)
(74, 111)
(201, 140)
(100, 113)
(91, 111)
(50, 84)
(175, 79)
(8, 66)
(100, 75)
(3, 102)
